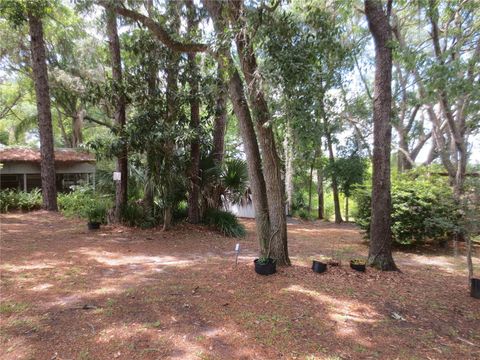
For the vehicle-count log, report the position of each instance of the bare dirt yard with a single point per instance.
(121, 293)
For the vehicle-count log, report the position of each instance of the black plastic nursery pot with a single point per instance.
(93, 225)
(475, 288)
(265, 269)
(318, 266)
(356, 266)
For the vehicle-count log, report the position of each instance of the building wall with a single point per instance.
(33, 168)
(26, 176)
(245, 211)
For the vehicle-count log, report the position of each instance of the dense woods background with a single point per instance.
(336, 110)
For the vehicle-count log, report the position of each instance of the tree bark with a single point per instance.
(346, 208)
(77, 136)
(220, 121)
(67, 141)
(380, 250)
(155, 28)
(310, 183)
(331, 160)
(120, 114)
(194, 171)
(151, 156)
(172, 70)
(270, 160)
(321, 206)
(247, 131)
(288, 151)
(40, 76)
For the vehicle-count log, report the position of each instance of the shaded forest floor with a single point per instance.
(120, 293)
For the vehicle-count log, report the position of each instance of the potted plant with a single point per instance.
(318, 266)
(358, 264)
(265, 265)
(96, 214)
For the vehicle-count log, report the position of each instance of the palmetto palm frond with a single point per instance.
(235, 180)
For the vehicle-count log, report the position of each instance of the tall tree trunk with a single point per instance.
(320, 191)
(247, 131)
(40, 76)
(67, 141)
(402, 162)
(288, 151)
(220, 121)
(77, 125)
(331, 160)
(271, 161)
(172, 70)
(151, 157)
(380, 250)
(120, 114)
(194, 171)
(310, 183)
(254, 162)
(346, 208)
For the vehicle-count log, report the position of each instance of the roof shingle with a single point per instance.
(18, 154)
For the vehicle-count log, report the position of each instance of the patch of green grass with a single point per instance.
(84, 355)
(11, 307)
(149, 350)
(201, 355)
(453, 332)
(109, 305)
(152, 299)
(25, 325)
(73, 271)
(359, 349)
(130, 292)
(155, 325)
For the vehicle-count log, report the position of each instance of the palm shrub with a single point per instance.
(235, 180)
(225, 222)
(223, 183)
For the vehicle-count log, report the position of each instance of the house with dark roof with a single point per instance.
(20, 168)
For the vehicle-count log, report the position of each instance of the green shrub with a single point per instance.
(83, 202)
(20, 200)
(423, 208)
(303, 214)
(180, 212)
(134, 215)
(96, 212)
(225, 222)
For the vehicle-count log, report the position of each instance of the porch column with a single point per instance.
(25, 182)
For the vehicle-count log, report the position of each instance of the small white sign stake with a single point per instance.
(237, 251)
(117, 176)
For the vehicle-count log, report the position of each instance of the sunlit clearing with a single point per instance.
(118, 259)
(31, 266)
(41, 287)
(346, 314)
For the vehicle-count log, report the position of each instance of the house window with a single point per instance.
(66, 181)
(34, 181)
(11, 181)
